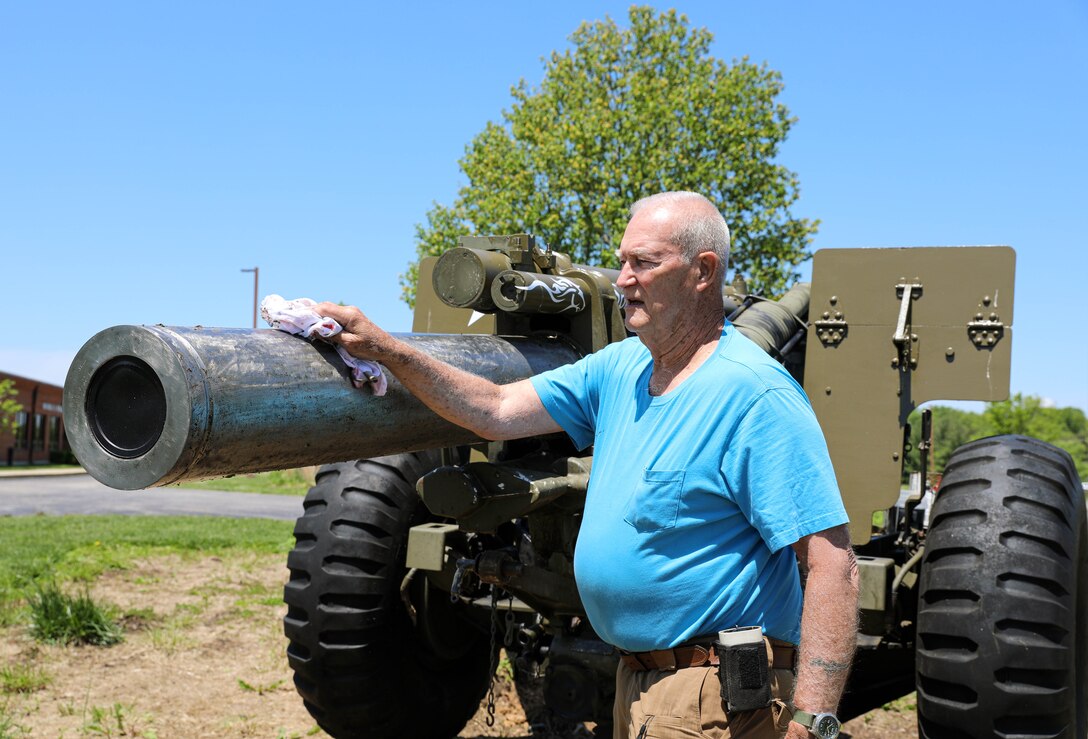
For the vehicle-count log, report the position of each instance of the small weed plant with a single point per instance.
(117, 721)
(22, 679)
(259, 689)
(60, 618)
(282, 734)
(9, 729)
(906, 704)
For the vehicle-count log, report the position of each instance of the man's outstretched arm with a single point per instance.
(490, 410)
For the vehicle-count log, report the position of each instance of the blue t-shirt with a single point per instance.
(694, 496)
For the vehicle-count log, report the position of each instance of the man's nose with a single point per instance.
(626, 276)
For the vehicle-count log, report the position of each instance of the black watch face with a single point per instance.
(826, 727)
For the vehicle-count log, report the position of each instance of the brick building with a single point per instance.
(39, 437)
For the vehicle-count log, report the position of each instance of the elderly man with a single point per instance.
(710, 483)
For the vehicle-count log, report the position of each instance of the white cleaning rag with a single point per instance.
(299, 317)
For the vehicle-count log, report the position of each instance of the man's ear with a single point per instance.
(708, 265)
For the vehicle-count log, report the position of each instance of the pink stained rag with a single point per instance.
(299, 317)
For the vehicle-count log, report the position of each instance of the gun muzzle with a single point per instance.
(154, 405)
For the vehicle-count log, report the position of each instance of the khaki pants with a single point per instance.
(664, 704)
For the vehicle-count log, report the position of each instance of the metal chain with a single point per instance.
(490, 720)
(511, 624)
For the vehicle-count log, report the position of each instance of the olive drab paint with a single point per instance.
(863, 383)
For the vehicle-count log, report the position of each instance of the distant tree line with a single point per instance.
(1064, 427)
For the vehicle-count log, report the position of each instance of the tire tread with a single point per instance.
(358, 665)
(998, 640)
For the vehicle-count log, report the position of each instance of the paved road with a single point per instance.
(56, 495)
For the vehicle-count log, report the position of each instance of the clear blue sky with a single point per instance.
(149, 151)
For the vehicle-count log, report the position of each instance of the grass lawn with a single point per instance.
(189, 607)
(41, 549)
(277, 482)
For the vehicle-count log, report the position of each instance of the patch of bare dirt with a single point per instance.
(896, 722)
(203, 656)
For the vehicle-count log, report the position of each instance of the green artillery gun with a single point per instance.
(416, 562)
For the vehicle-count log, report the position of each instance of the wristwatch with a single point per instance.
(822, 725)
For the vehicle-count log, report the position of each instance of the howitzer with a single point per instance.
(157, 405)
(415, 562)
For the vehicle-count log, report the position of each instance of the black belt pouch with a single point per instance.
(746, 682)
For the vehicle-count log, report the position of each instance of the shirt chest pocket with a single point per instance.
(655, 501)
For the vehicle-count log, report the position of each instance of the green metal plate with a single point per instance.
(863, 387)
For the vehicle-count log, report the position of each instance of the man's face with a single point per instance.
(657, 282)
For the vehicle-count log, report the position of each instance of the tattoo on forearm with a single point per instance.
(829, 666)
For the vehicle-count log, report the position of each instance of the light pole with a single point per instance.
(256, 274)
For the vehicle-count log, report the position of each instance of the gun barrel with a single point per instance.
(772, 324)
(154, 405)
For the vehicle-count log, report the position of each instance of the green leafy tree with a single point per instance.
(625, 113)
(8, 406)
(1063, 427)
(1017, 415)
(952, 428)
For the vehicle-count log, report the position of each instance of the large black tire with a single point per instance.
(1003, 601)
(361, 667)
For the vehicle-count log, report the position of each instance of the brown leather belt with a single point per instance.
(783, 657)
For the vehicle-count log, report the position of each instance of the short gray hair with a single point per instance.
(698, 225)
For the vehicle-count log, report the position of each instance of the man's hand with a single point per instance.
(491, 411)
(361, 337)
(796, 731)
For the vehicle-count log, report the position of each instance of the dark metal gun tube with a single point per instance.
(525, 292)
(152, 405)
(772, 324)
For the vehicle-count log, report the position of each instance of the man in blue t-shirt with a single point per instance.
(710, 483)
